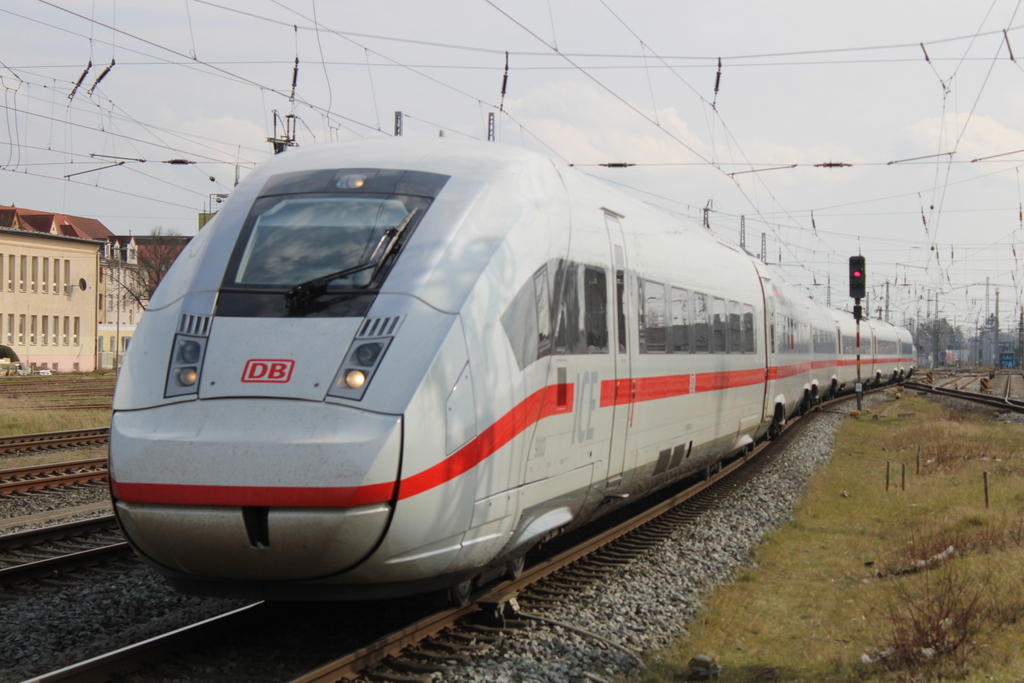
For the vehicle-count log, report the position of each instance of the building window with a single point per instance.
(124, 344)
(56, 276)
(10, 273)
(56, 329)
(55, 367)
(45, 331)
(21, 330)
(78, 329)
(67, 277)
(10, 328)
(35, 274)
(46, 275)
(23, 274)
(99, 344)
(113, 343)
(33, 321)
(67, 325)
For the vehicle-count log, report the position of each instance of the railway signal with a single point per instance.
(857, 277)
(857, 290)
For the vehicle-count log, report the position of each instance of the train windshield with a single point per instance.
(295, 239)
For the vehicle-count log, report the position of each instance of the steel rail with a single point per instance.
(33, 541)
(45, 440)
(984, 399)
(56, 531)
(41, 477)
(128, 659)
(50, 565)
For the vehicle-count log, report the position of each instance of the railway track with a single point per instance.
(45, 477)
(48, 440)
(51, 552)
(451, 633)
(1001, 402)
(84, 406)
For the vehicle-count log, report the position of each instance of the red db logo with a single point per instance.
(263, 370)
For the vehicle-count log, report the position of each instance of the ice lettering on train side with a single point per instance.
(589, 388)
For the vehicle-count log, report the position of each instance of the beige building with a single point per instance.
(49, 277)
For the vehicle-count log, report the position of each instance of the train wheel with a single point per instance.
(458, 595)
(514, 567)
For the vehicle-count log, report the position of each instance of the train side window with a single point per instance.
(719, 327)
(543, 311)
(681, 324)
(655, 317)
(569, 332)
(523, 325)
(620, 306)
(701, 324)
(735, 328)
(640, 314)
(595, 317)
(849, 345)
(749, 338)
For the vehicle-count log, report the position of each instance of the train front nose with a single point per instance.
(220, 495)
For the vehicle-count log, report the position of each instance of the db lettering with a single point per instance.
(263, 370)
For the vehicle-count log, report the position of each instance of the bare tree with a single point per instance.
(155, 253)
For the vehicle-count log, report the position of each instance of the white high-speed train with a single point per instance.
(389, 367)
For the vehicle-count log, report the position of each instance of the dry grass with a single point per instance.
(16, 418)
(45, 412)
(860, 571)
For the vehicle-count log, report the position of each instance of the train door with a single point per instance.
(771, 349)
(622, 387)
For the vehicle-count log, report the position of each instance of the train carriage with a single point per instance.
(393, 366)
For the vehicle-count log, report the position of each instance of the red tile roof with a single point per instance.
(52, 223)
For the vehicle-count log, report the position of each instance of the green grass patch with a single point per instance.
(925, 581)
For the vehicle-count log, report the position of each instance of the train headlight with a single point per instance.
(189, 351)
(357, 370)
(354, 379)
(366, 354)
(352, 181)
(186, 377)
(186, 365)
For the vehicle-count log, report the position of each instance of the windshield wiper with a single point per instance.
(302, 295)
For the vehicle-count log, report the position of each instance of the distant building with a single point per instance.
(131, 267)
(49, 276)
(120, 304)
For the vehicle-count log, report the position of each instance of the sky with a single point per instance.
(891, 130)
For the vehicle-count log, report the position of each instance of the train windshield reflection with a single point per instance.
(297, 239)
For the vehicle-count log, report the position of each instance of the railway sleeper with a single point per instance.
(434, 655)
(486, 634)
(389, 677)
(470, 641)
(413, 667)
(589, 576)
